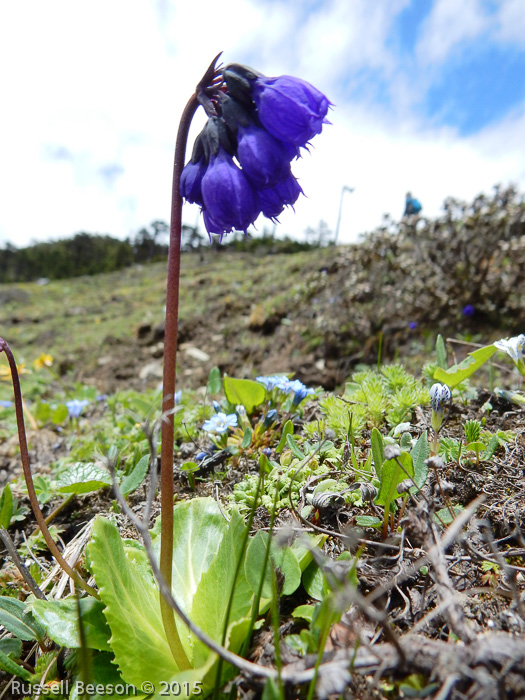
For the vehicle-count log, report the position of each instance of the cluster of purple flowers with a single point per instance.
(240, 166)
(287, 386)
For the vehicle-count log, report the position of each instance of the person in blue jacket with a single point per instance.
(412, 205)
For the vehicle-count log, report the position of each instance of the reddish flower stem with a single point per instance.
(168, 391)
(26, 466)
(205, 88)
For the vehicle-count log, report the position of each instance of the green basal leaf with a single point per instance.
(60, 619)
(378, 447)
(294, 447)
(368, 521)
(206, 552)
(59, 414)
(284, 559)
(287, 430)
(419, 454)
(6, 507)
(134, 479)
(22, 624)
(244, 391)
(11, 647)
(458, 373)
(304, 612)
(313, 581)
(12, 668)
(132, 611)
(42, 412)
(83, 477)
(247, 438)
(441, 352)
(132, 607)
(476, 446)
(392, 475)
(214, 381)
(103, 673)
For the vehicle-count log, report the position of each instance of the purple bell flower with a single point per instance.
(290, 108)
(274, 199)
(240, 166)
(263, 158)
(191, 181)
(229, 199)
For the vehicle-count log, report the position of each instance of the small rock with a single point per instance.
(151, 370)
(194, 352)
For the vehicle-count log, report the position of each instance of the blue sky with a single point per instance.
(429, 96)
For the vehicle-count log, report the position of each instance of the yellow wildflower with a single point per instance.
(5, 372)
(43, 361)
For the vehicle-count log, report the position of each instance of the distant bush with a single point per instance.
(83, 254)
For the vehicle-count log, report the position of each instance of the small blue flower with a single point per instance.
(229, 199)
(75, 407)
(200, 456)
(6, 404)
(413, 325)
(272, 381)
(216, 406)
(101, 397)
(266, 451)
(220, 423)
(468, 310)
(263, 158)
(290, 108)
(177, 397)
(301, 393)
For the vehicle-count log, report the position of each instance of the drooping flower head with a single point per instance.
(241, 161)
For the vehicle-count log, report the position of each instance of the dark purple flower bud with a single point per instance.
(273, 200)
(290, 108)
(191, 181)
(413, 325)
(270, 418)
(468, 310)
(263, 158)
(229, 198)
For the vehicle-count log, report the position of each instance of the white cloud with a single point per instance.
(449, 25)
(92, 94)
(510, 24)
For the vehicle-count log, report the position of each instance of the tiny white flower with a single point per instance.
(514, 347)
